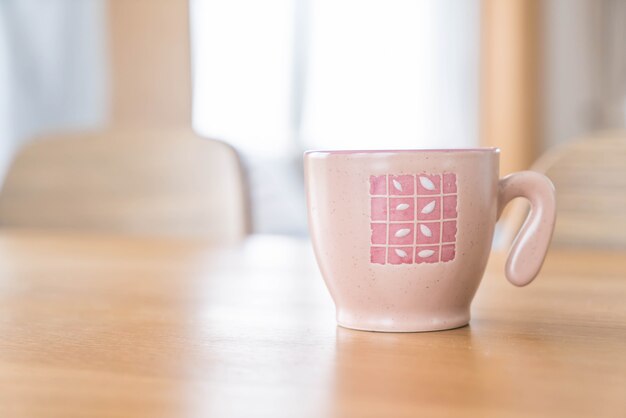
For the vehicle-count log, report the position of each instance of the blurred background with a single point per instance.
(102, 103)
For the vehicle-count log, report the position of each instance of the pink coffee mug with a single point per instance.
(402, 238)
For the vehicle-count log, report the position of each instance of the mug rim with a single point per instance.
(495, 150)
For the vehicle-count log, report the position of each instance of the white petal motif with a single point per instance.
(400, 253)
(426, 230)
(402, 232)
(429, 207)
(426, 183)
(402, 206)
(425, 253)
(398, 186)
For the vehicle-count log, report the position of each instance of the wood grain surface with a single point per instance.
(106, 326)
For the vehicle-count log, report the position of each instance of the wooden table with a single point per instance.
(97, 326)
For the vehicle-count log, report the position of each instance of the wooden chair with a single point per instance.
(165, 182)
(590, 180)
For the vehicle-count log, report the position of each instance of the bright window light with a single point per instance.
(242, 65)
(277, 76)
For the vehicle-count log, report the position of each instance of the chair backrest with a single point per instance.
(128, 181)
(590, 180)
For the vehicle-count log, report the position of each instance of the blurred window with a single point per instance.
(279, 76)
(276, 76)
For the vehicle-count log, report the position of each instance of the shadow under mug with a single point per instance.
(402, 238)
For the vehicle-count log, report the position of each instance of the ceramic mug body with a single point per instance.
(402, 238)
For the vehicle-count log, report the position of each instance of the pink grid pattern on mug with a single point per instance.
(413, 218)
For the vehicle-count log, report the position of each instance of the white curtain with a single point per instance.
(52, 68)
(336, 73)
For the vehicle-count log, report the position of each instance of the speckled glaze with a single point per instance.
(428, 296)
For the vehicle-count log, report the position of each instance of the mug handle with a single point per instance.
(531, 243)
